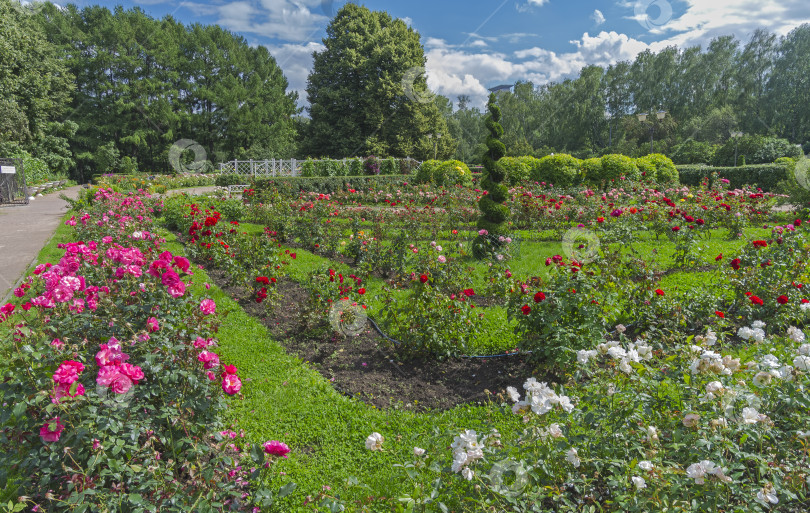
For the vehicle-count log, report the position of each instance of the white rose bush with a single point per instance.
(692, 425)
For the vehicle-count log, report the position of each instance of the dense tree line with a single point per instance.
(93, 90)
(133, 86)
(758, 88)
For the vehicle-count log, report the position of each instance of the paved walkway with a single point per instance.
(24, 231)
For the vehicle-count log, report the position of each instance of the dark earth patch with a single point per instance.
(368, 368)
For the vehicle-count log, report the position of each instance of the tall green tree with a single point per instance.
(789, 86)
(35, 88)
(366, 94)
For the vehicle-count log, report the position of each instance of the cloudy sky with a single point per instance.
(472, 45)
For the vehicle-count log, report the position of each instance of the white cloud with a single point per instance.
(296, 62)
(704, 20)
(452, 71)
(598, 17)
(479, 43)
(408, 21)
(280, 19)
(538, 3)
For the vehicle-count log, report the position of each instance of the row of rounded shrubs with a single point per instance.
(560, 169)
(369, 166)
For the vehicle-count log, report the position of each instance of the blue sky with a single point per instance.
(472, 45)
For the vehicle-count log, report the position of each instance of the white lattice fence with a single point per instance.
(273, 167)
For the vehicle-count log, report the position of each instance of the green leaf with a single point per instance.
(286, 490)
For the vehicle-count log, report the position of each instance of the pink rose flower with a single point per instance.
(231, 384)
(208, 306)
(51, 430)
(68, 372)
(133, 372)
(152, 325)
(178, 290)
(170, 278)
(210, 360)
(276, 448)
(61, 391)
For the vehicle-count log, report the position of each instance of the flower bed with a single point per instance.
(112, 386)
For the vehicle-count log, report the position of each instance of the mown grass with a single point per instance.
(285, 399)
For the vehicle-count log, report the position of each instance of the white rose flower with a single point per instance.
(804, 348)
(697, 472)
(418, 451)
(467, 473)
(513, 393)
(714, 387)
(555, 431)
(645, 465)
(572, 457)
(750, 416)
(374, 441)
(625, 367)
(652, 433)
(767, 495)
(762, 379)
(566, 404)
(795, 334)
(758, 324)
(802, 362)
(459, 461)
(639, 482)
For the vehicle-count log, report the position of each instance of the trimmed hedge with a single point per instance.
(765, 176)
(355, 166)
(559, 169)
(516, 168)
(328, 185)
(444, 173)
(657, 167)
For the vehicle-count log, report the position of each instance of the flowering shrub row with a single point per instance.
(112, 385)
(703, 426)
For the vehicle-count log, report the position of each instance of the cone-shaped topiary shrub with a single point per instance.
(493, 210)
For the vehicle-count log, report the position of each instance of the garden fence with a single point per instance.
(12, 182)
(273, 167)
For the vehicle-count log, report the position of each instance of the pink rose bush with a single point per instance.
(114, 337)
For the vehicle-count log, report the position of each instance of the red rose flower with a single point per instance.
(361, 291)
(720, 314)
(469, 292)
(676, 228)
(539, 297)
(760, 244)
(423, 278)
(735, 264)
(782, 300)
(755, 300)
(718, 257)
(525, 309)
(659, 292)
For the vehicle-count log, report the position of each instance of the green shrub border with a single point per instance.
(765, 176)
